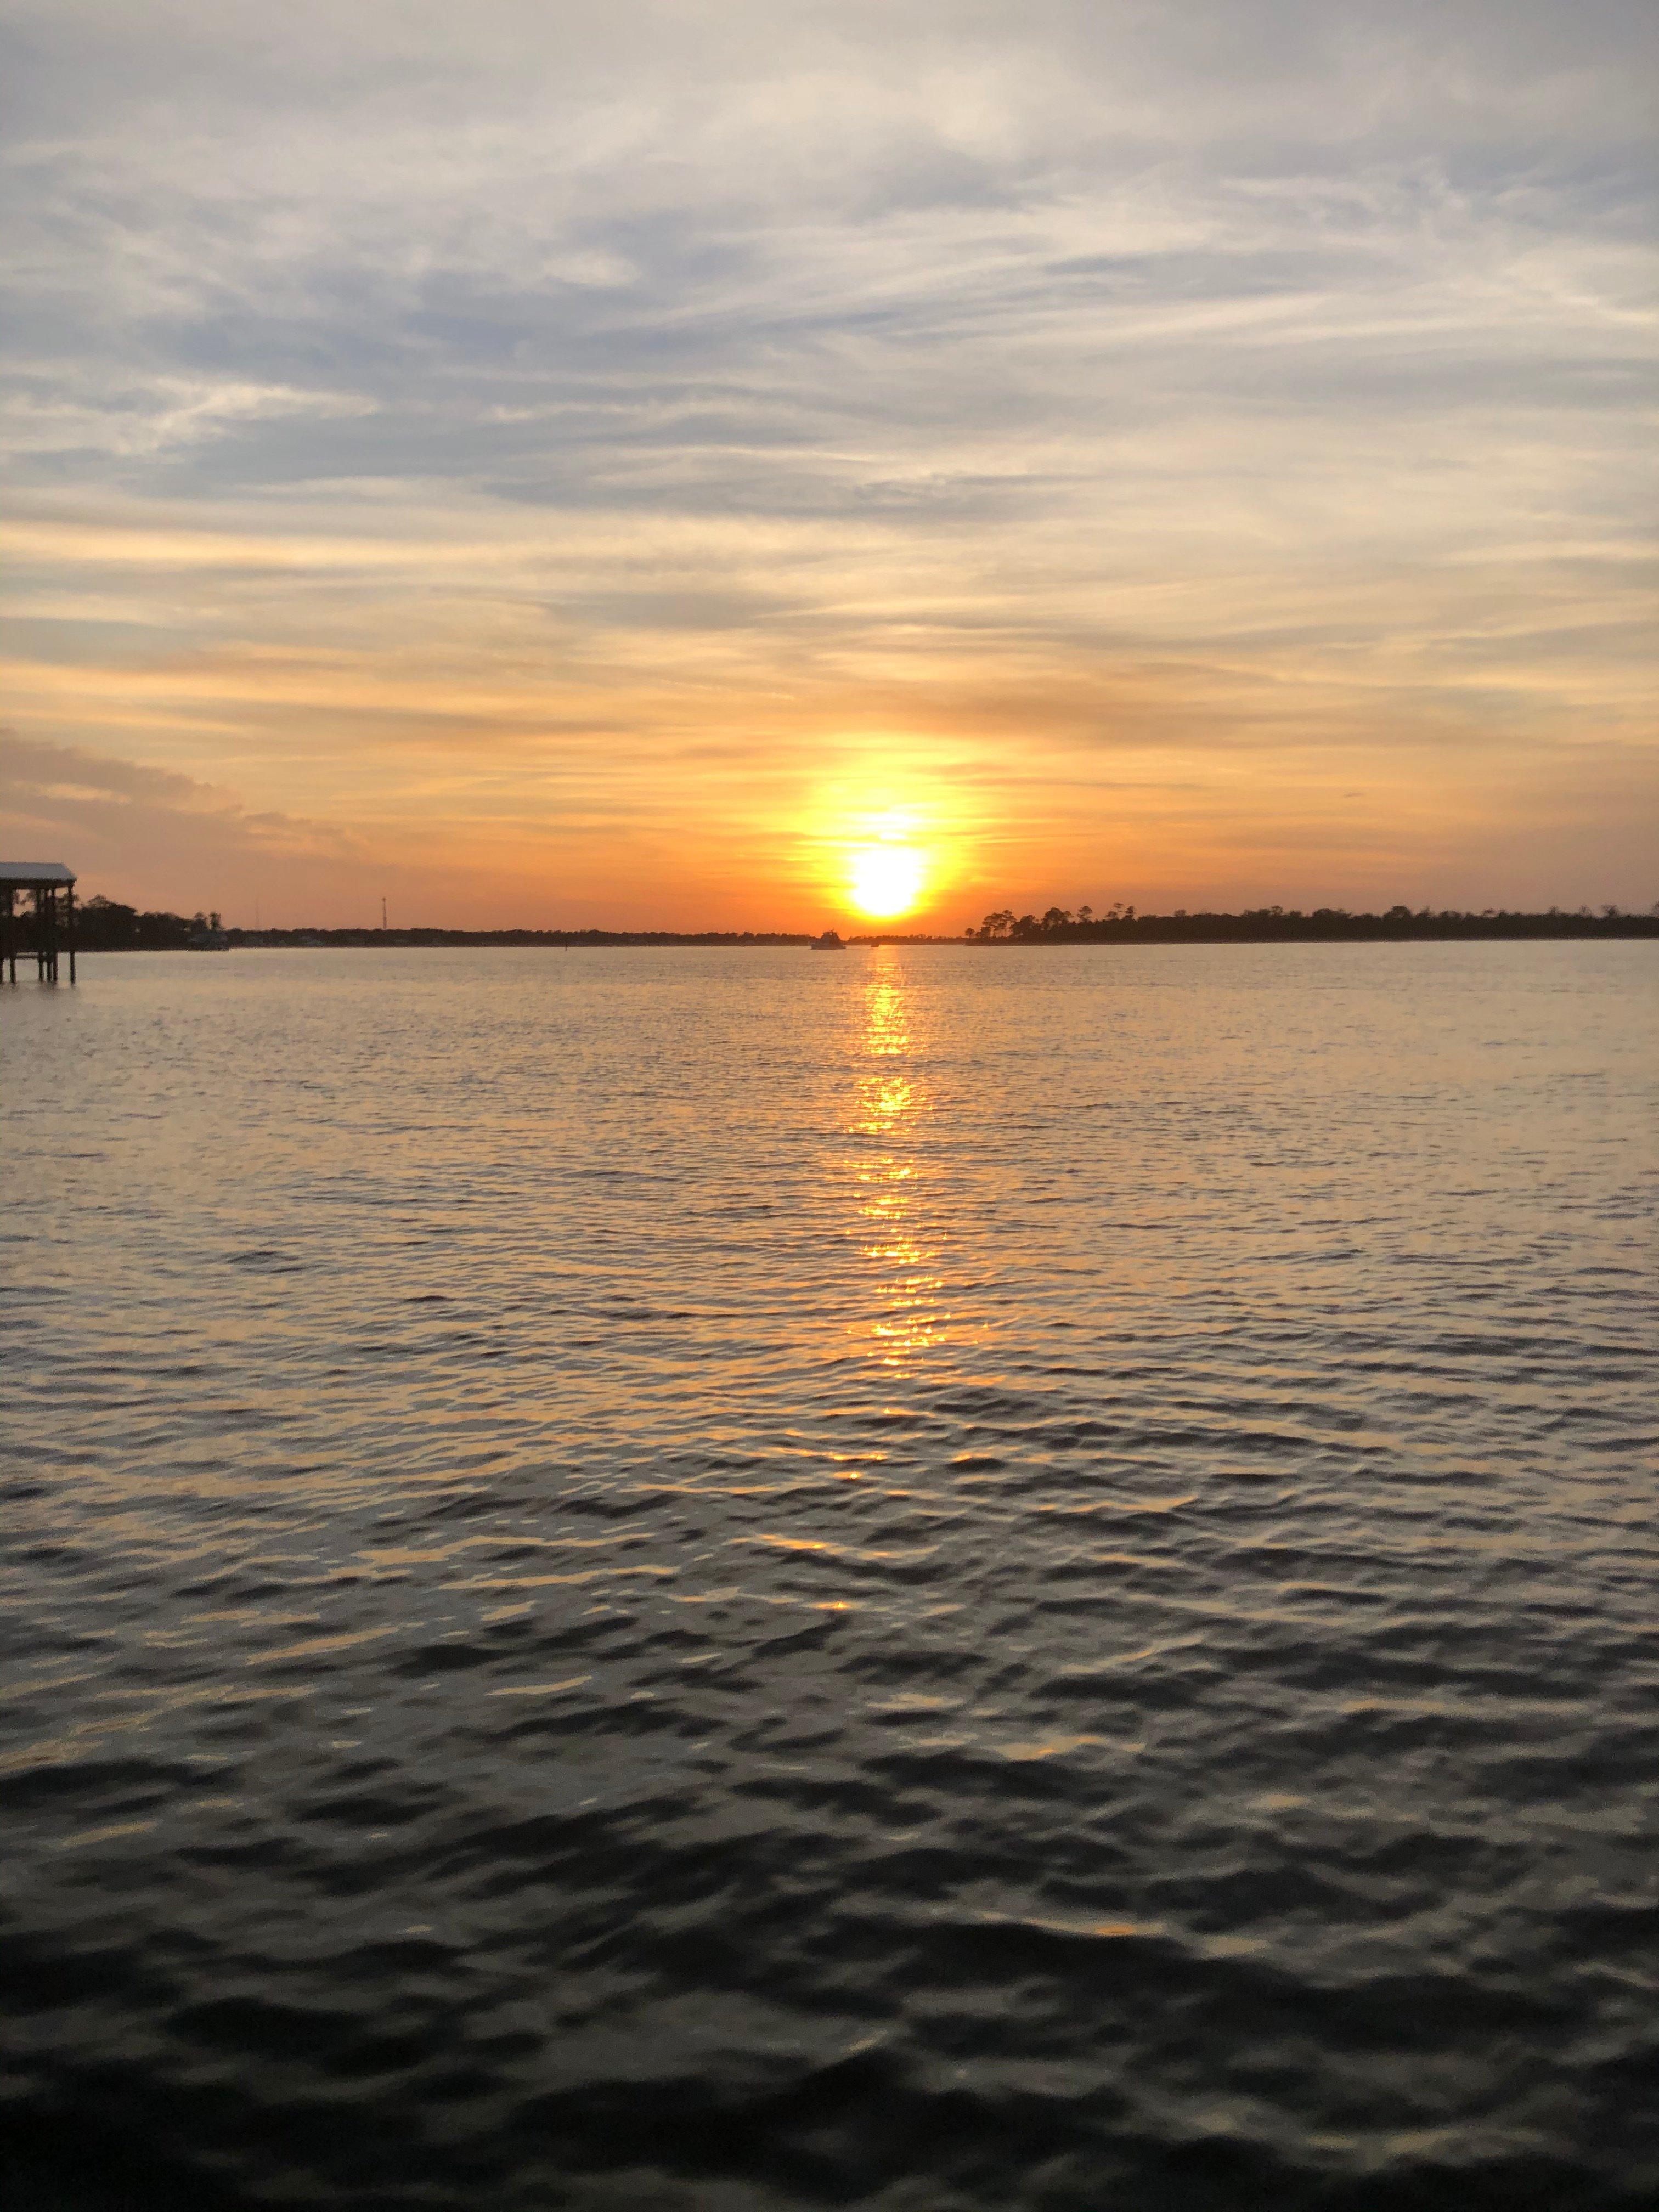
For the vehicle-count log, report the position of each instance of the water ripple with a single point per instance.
(937, 1581)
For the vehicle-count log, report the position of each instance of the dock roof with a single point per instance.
(28, 872)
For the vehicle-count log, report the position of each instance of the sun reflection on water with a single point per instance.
(905, 1319)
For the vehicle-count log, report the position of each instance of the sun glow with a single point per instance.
(884, 880)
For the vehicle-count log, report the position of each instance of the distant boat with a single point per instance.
(208, 940)
(830, 942)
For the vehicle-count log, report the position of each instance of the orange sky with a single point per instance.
(615, 478)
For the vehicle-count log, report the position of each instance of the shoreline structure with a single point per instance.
(123, 929)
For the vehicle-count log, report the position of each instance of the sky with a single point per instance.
(555, 466)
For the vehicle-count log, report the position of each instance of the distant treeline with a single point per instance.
(574, 937)
(104, 925)
(1272, 925)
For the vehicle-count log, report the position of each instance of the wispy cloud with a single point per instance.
(612, 418)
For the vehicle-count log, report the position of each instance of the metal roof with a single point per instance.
(35, 871)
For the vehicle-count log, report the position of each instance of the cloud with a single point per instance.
(409, 415)
(123, 820)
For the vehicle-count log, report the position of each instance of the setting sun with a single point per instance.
(886, 879)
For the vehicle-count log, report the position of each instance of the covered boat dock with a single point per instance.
(52, 886)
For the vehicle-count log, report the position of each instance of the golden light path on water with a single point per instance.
(906, 1316)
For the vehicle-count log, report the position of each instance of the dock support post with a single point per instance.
(45, 934)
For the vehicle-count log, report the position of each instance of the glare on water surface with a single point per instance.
(907, 1319)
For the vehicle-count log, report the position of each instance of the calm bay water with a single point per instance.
(934, 1579)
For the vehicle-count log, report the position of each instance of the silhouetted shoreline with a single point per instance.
(104, 926)
(1325, 926)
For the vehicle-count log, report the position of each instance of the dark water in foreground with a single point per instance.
(929, 1580)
